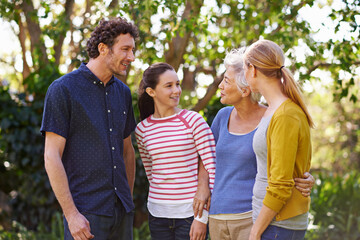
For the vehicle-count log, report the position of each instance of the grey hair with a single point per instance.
(234, 59)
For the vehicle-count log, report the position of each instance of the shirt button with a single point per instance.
(108, 110)
(106, 93)
(115, 188)
(94, 82)
(124, 112)
(110, 129)
(114, 167)
(101, 82)
(113, 148)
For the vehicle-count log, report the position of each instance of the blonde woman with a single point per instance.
(281, 144)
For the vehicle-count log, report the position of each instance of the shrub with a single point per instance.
(335, 207)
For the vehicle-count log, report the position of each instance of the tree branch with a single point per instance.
(211, 91)
(325, 65)
(113, 4)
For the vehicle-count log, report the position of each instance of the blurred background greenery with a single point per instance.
(42, 40)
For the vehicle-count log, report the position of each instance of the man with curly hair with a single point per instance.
(87, 122)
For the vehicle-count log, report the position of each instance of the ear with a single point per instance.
(245, 91)
(103, 49)
(253, 71)
(150, 91)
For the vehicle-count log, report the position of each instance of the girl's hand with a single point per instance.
(197, 230)
(304, 185)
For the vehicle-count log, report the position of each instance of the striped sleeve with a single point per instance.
(145, 157)
(205, 144)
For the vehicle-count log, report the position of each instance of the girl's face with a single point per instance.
(168, 91)
(230, 93)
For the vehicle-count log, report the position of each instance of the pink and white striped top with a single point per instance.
(169, 148)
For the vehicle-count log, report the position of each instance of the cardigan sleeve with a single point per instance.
(283, 139)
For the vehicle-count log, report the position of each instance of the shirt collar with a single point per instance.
(92, 77)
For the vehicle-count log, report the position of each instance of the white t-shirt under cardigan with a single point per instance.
(169, 148)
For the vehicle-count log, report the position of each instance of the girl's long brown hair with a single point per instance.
(150, 79)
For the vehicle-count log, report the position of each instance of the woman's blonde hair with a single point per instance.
(268, 58)
(234, 59)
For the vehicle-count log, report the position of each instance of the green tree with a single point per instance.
(336, 139)
(193, 36)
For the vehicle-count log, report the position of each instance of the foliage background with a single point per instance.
(193, 36)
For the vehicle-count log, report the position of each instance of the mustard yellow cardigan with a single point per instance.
(288, 157)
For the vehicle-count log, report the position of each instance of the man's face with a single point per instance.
(121, 54)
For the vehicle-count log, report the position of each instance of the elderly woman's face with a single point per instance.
(229, 90)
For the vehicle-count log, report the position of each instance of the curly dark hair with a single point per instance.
(107, 31)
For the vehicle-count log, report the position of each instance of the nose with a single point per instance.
(177, 89)
(221, 85)
(131, 56)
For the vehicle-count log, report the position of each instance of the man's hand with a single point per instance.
(79, 227)
(197, 230)
(304, 185)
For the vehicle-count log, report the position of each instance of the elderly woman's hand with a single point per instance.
(304, 185)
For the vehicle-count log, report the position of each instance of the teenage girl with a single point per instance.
(170, 141)
(282, 146)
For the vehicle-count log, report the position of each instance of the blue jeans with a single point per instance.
(117, 227)
(279, 233)
(170, 228)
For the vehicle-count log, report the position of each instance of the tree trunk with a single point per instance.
(34, 31)
(177, 45)
(69, 5)
(22, 39)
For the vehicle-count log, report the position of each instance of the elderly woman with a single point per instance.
(233, 128)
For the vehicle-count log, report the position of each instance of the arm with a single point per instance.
(54, 147)
(262, 222)
(198, 230)
(304, 185)
(129, 159)
(202, 196)
(145, 157)
(205, 145)
(283, 134)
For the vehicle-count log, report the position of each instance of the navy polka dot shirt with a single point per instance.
(94, 119)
